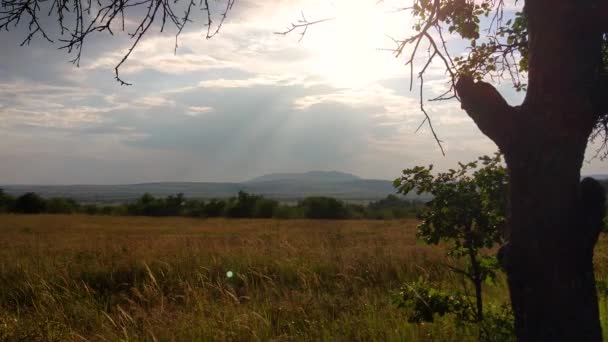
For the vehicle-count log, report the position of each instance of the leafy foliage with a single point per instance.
(467, 213)
(243, 205)
(29, 203)
(468, 205)
(497, 46)
(324, 208)
(61, 205)
(426, 302)
(6, 202)
(148, 205)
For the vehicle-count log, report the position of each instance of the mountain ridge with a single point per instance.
(321, 176)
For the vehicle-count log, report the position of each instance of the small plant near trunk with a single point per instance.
(467, 214)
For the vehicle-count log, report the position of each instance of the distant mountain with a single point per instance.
(282, 186)
(311, 176)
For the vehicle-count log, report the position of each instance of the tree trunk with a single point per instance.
(476, 278)
(553, 219)
(550, 254)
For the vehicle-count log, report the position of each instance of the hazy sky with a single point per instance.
(245, 103)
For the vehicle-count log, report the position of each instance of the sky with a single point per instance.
(245, 103)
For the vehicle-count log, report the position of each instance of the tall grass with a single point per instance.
(162, 279)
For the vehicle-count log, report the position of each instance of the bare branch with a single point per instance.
(229, 4)
(77, 20)
(302, 24)
(427, 118)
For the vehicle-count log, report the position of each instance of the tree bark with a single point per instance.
(550, 255)
(553, 219)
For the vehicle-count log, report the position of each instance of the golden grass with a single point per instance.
(162, 279)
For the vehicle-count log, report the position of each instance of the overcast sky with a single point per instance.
(246, 103)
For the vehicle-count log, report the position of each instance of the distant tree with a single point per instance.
(391, 207)
(29, 203)
(146, 205)
(265, 208)
(173, 205)
(92, 209)
(243, 205)
(194, 208)
(60, 205)
(323, 208)
(214, 208)
(6, 202)
(467, 211)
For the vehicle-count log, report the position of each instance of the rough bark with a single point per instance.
(553, 218)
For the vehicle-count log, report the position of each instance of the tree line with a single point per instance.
(243, 205)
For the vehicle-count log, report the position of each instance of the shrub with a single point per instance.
(214, 208)
(29, 203)
(61, 205)
(243, 205)
(265, 208)
(467, 211)
(7, 202)
(323, 208)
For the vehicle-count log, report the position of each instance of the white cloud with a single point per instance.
(198, 110)
(154, 101)
(394, 105)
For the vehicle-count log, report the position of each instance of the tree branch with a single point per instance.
(488, 109)
(77, 20)
(302, 24)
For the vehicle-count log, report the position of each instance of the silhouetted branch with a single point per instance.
(77, 20)
(302, 24)
(488, 109)
(229, 4)
(427, 118)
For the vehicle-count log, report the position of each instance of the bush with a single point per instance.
(243, 205)
(193, 208)
(61, 206)
(148, 205)
(324, 208)
(467, 212)
(426, 302)
(392, 207)
(265, 208)
(7, 202)
(29, 203)
(214, 208)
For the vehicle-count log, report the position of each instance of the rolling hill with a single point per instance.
(282, 186)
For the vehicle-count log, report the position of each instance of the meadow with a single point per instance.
(104, 278)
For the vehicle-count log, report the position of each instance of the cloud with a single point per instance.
(154, 101)
(198, 110)
(245, 103)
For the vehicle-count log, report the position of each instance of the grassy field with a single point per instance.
(158, 279)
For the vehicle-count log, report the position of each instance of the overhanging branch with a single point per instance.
(79, 19)
(488, 109)
(303, 25)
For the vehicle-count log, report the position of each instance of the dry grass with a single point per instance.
(120, 278)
